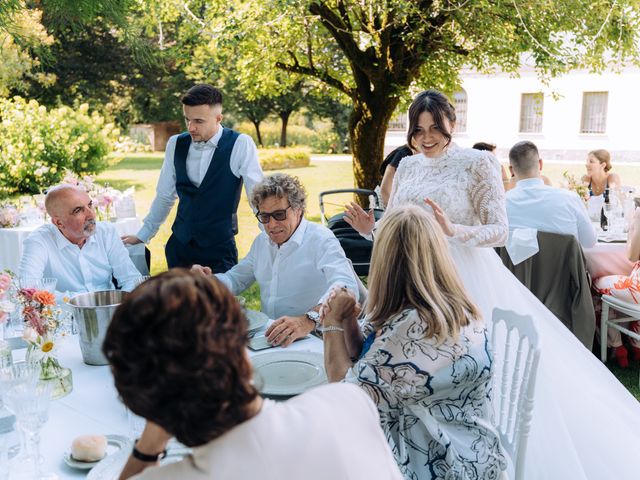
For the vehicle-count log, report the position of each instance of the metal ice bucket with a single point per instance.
(92, 313)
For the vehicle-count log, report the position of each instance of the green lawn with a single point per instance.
(142, 170)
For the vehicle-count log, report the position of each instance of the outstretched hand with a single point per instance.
(441, 217)
(363, 222)
(130, 240)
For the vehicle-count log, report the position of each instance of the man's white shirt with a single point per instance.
(532, 204)
(243, 163)
(297, 276)
(48, 253)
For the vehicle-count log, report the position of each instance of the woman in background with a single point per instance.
(626, 288)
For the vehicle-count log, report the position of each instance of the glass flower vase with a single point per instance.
(52, 372)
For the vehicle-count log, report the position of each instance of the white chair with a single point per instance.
(516, 354)
(630, 309)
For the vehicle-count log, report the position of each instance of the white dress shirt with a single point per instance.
(330, 432)
(295, 277)
(243, 163)
(532, 204)
(48, 253)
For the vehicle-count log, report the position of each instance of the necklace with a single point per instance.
(598, 189)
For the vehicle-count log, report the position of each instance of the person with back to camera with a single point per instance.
(426, 354)
(508, 181)
(462, 189)
(177, 349)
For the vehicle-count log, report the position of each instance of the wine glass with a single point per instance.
(29, 402)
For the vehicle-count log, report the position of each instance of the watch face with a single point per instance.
(313, 316)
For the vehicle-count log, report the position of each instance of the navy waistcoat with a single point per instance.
(207, 214)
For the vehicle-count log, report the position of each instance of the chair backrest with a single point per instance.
(558, 277)
(516, 354)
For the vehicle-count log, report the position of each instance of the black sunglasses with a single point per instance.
(279, 215)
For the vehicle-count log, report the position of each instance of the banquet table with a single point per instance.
(11, 240)
(93, 406)
(607, 259)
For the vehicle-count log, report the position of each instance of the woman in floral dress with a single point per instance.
(426, 361)
(626, 288)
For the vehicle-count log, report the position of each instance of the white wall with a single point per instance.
(493, 114)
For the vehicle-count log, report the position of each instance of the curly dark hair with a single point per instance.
(177, 349)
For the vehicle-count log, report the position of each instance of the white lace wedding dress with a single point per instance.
(586, 425)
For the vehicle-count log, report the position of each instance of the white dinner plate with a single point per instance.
(109, 468)
(256, 319)
(288, 373)
(115, 443)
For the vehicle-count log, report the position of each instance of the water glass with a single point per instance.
(30, 404)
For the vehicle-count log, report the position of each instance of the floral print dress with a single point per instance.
(626, 288)
(433, 400)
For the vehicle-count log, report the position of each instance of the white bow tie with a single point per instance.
(202, 146)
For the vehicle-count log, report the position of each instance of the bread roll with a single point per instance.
(89, 448)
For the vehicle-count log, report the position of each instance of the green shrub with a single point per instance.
(281, 158)
(321, 140)
(37, 144)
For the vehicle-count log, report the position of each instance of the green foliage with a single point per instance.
(321, 140)
(282, 158)
(37, 144)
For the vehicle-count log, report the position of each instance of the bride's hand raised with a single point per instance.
(363, 222)
(441, 217)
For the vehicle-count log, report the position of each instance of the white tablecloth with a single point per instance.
(93, 406)
(608, 259)
(11, 240)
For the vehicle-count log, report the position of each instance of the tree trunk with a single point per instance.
(256, 125)
(367, 130)
(284, 116)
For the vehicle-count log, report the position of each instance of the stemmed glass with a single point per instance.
(30, 404)
(10, 439)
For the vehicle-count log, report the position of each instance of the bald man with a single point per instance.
(82, 254)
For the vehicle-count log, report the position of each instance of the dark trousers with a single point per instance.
(219, 258)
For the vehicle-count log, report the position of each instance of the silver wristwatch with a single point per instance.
(314, 317)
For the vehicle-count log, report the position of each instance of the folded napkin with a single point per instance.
(522, 244)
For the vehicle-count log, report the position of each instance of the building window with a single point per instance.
(398, 121)
(531, 108)
(594, 112)
(460, 104)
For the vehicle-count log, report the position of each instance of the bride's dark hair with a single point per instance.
(438, 105)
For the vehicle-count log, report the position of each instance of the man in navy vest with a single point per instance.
(205, 168)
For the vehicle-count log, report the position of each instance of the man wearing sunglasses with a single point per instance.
(295, 262)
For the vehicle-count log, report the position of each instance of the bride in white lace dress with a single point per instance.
(586, 425)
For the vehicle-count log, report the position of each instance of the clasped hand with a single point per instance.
(340, 305)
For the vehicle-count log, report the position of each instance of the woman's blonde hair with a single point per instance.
(411, 268)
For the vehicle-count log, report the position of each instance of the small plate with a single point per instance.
(288, 373)
(256, 320)
(115, 443)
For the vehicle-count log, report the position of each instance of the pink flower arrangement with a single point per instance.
(38, 311)
(9, 216)
(5, 305)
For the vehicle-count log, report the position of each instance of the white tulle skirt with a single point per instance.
(586, 425)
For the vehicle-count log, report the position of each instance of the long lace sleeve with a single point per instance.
(488, 200)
